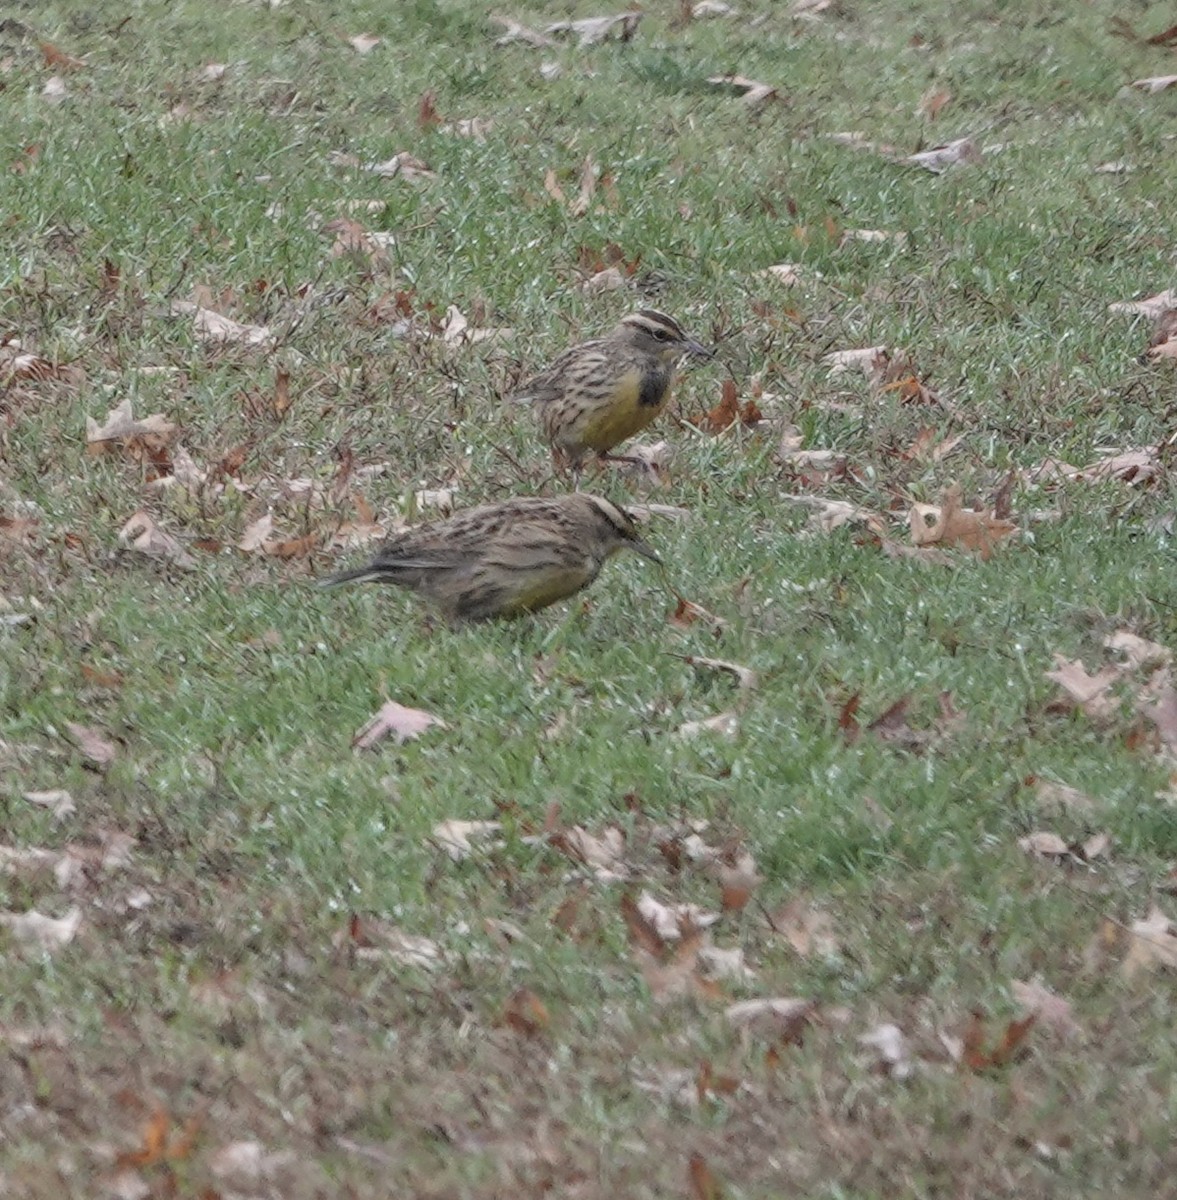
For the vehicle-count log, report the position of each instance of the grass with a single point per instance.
(214, 979)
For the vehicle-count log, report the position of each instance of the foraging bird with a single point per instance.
(503, 560)
(597, 394)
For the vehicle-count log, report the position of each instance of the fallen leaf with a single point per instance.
(27, 861)
(610, 279)
(143, 535)
(643, 512)
(687, 613)
(940, 158)
(1051, 1009)
(828, 515)
(1153, 306)
(948, 524)
(1157, 703)
(726, 724)
(1069, 799)
(127, 1184)
(92, 744)
(642, 934)
(603, 854)
(891, 1046)
(19, 529)
(587, 189)
(457, 838)
(670, 969)
(246, 1163)
(59, 60)
(745, 677)
(932, 103)
(857, 140)
(352, 238)
(1138, 652)
(755, 93)
(427, 115)
(783, 1017)
(1152, 943)
(738, 882)
(403, 165)
(1012, 1039)
(891, 726)
(526, 1013)
(1155, 83)
(647, 465)
(871, 236)
(211, 326)
(49, 933)
(1163, 342)
(1088, 692)
(1167, 37)
(121, 428)
(790, 274)
(396, 719)
(15, 365)
(157, 1147)
(256, 534)
(379, 940)
(673, 921)
(553, 188)
(441, 499)
(868, 360)
(58, 801)
(705, 1183)
(809, 930)
(591, 30)
(80, 862)
(517, 32)
(972, 1051)
(457, 330)
(1044, 844)
(808, 460)
(1128, 466)
(728, 412)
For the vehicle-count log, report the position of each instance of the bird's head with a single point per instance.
(613, 529)
(660, 335)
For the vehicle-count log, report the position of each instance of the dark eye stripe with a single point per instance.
(656, 323)
(624, 527)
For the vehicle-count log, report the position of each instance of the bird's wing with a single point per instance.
(531, 544)
(549, 384)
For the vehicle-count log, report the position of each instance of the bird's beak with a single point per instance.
(698, 350)
(645, 550)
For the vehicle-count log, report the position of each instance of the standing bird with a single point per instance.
(503, 560)
(597, 394)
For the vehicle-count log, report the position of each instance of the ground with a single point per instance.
(271, 968)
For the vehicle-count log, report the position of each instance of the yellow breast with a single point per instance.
(620, 415)
(547, 586)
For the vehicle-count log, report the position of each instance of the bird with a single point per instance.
(503, 560)
(600, 392)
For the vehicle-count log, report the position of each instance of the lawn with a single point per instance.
(796, 874)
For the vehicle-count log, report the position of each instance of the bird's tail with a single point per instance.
(366, 574)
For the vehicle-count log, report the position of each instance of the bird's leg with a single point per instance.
(564, 464)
